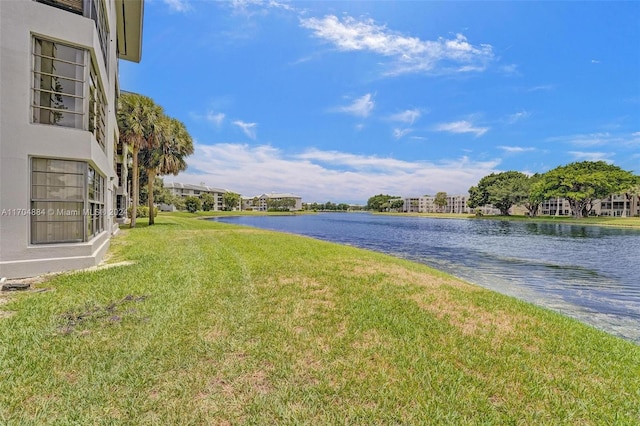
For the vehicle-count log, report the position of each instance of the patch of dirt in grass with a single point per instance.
(30, 288)
(229, 392)
(313, 298)
(370, 339)
(6, 314)
(110, 313)
(399, 275)
(3, 301)
(469, 319)
(237, 231)
(215, 334)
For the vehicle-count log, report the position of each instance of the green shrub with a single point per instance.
(143, 211)
(193, 204)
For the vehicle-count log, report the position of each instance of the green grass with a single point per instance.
(218, 324)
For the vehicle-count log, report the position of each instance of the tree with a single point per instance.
(193, 204)
(168, 155)
(160, 193)
(581, 183)
(396, 203)
(377, 202)
(208, 201)
(535, 196)
(503, 190)
(281, 204)
(138, 120)
(231, 200)
(440, 200)
(633, 189)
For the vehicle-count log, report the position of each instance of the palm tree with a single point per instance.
(168, 156)
(138, 121)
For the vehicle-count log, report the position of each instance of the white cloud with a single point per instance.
(178, 5)
(215, 118)
(592, 156)
(541, 88)
(249, 129)
(516, 149)
(322, 176)
(600, 139)
(514, 118)
(408, 54)
(247, 7)
(462, 126)
(511, 69)
(409, 116)
(399, 133)
(360, 107)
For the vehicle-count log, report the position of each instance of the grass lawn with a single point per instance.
(220, 324)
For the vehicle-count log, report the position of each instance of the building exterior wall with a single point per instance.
(618, 205)
(22, 139)
(455, 204)
(260, 202)
(190, 190)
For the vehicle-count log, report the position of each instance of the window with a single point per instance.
(59, 77)
(58, 84)
(74, 6)
(60, 190)
(99, 16)
(97, 108)
(119, 174)
(95, 198)
(57, 201)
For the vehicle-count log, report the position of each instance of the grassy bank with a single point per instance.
(623, 222)
(217, 324)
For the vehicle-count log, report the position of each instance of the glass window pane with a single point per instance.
(58, 193)
(58, 83)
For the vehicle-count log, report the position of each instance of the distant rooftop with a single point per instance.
(177, 185)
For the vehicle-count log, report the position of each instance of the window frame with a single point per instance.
(92, 97)
(86, 211)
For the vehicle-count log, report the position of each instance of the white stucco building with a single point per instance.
(62, 177)
(262, 202)
(190, 190)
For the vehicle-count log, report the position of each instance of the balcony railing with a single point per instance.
(75, 6)
(93, 9)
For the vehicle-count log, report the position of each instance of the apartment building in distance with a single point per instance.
(190, 190)
(262, 202)
(63, 169)
(615, 205)
(455, 204)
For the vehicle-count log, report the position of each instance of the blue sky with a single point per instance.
(339, 101)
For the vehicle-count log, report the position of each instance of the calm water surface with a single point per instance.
(587, 272)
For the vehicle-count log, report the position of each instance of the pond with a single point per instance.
(587, 272)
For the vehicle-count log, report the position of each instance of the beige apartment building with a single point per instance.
(455, 204)
(63, 169)
(260, 202)
(190, 190)
(615, 205)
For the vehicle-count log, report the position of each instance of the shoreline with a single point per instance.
(216, 323)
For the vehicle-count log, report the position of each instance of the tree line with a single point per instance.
(580, 183)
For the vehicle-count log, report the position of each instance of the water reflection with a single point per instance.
(583, 271)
